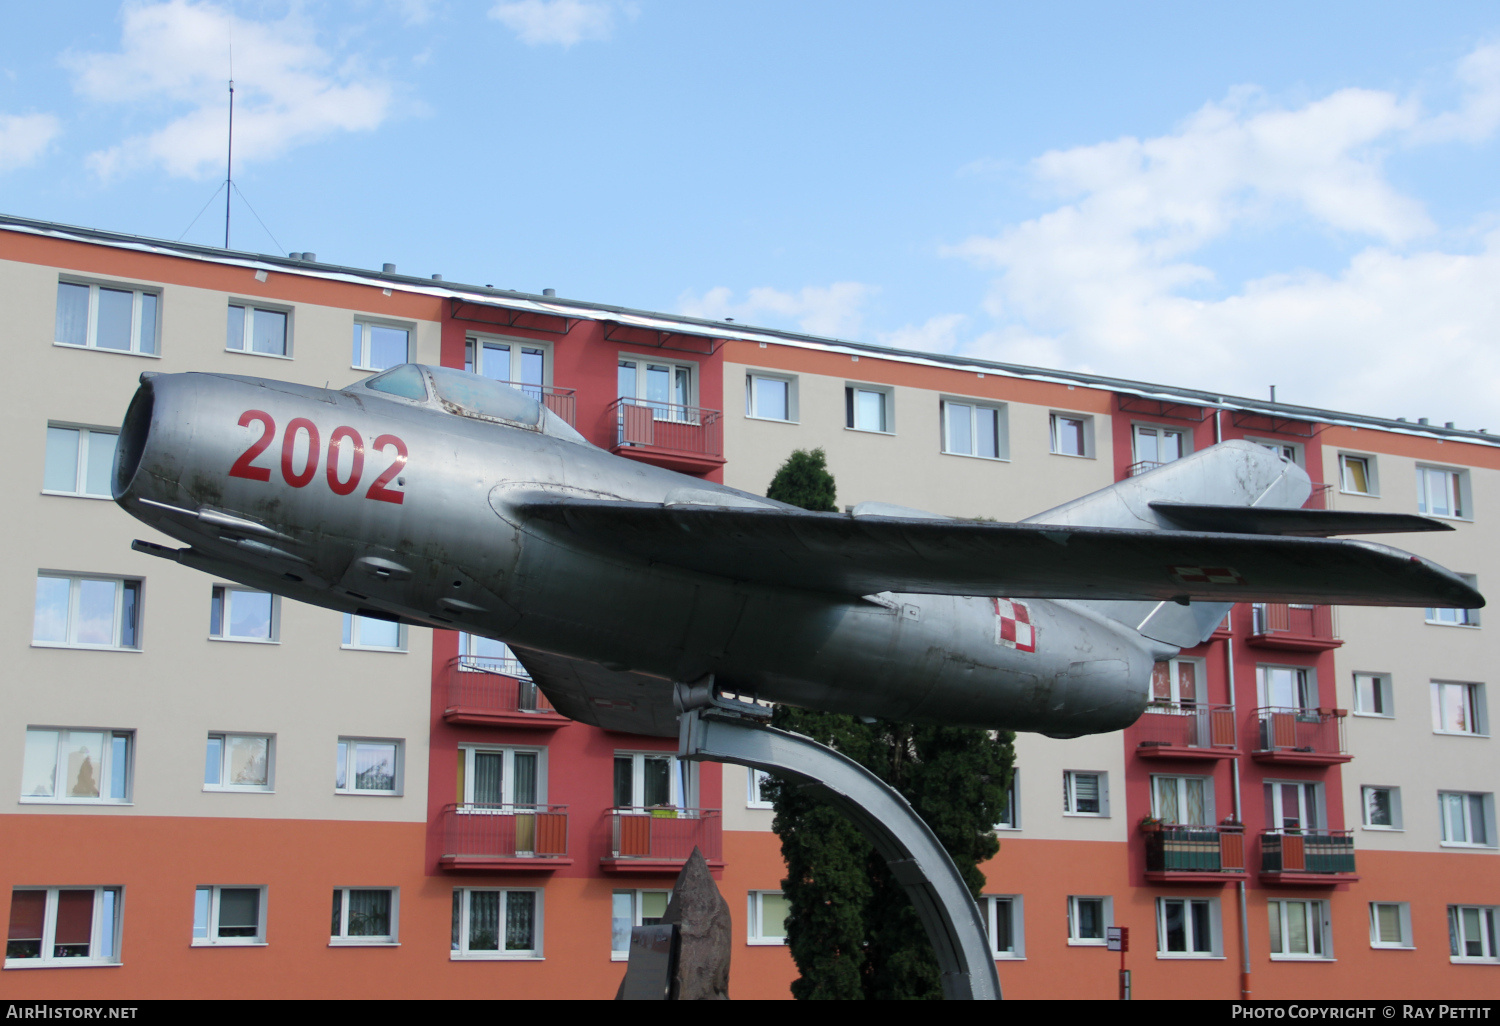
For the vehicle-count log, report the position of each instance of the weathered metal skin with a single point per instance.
(439, 540)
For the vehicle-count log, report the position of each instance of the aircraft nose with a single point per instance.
(135, 433)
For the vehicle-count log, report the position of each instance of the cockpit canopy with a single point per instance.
(470, 395)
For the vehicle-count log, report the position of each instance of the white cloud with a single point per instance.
(23, 138)
(1116, 278)
(176, 54)
(834, 311)
(938, 334)
(564, 22)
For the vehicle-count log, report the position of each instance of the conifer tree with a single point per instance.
(852, 930)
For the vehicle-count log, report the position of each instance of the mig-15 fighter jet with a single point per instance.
(436, 497)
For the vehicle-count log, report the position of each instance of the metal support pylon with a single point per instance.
(717, 730)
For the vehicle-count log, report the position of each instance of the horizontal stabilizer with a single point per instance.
(864, 555)
(1309, 523)
(607, 699)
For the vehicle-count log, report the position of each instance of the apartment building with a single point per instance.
(222, 794)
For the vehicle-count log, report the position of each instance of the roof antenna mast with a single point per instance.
(229, 165)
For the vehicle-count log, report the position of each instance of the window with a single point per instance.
(869, 408)
(496, 924)
(1085, 794)
(1072, 434)
(63, 926)
(253, 329)
(652, 780)
(1372, 695)
(1005, 923)
(1443, 493)
(484, 654)
(1468, 819)
(369, 632)
(1357, 475)
(378, 347)
(523, 364)
(1458, 708)
(79, 461)
(1472, 933)
(769, 911)
(1287, 687)
(1289, 451)
(106, 317)
(364, 915)
(229, 915)
(1390, 924)
(1185, 800)
(1175, 682)
(87, 612)
(973, 429)
(770, 397)
(502, 778)
(1299, 929)
(1292, 807)
(239, 762)
(1382, 807)
(1456, 617)
(1010, 819)
(1157, 445)
(667, 388)
(242, 614)
(368, 767)
(755, 779)
(1187, 928)
(86, 766)
(1088, 918)
(630, 909)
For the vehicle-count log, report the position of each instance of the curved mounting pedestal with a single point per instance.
(919, 863)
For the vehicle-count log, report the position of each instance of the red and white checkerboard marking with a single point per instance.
(1207, 575)
(1013, 627)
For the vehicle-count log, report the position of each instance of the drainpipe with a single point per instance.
(1239, 817)
(1218, 424)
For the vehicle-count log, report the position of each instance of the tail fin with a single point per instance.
(1236, 473)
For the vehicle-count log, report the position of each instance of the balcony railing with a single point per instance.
(1326, 853)
(496, 692)
(481, 835)
(561, 401)
(1311, 737)
(1140, 467)
(1279, 625)
(1174, 850)
(1186, 730)
(663, 836)
(670, 433)
(1319, 499)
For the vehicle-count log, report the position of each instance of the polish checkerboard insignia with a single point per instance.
(1207, 575)
(1013, 627)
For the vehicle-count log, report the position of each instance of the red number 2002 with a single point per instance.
(342, 436)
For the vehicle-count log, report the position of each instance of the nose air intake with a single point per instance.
(133, 434)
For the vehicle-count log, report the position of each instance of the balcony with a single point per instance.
(1194, 854)
(1310, 859)
(1296, 628)
(505, 838)
(1142, 466)
(561, 401)
(1299, 737)
(683, 438)
(660, 839)
(1186, 730)
(1319, 499)
(496, 693)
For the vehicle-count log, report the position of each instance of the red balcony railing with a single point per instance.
(496, 692)
(1279, 625)
(1323, 853)
(1176, 851)
(481, 835)
(1186, 730)
(561, 401)
(663, 836)
(1299, 736)
(667, 433)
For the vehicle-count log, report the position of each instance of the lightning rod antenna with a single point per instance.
(229, 165)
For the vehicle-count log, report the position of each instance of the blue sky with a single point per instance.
(1217, 196)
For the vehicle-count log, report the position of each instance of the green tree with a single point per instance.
(852, 930)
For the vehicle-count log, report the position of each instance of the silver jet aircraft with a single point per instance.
(432, 496)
